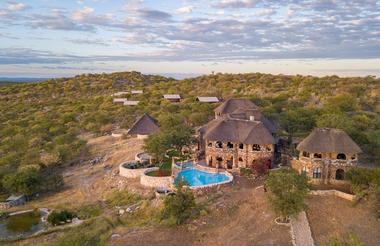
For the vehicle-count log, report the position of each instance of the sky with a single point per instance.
(182, 38)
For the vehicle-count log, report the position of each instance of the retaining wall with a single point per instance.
(333, 192)
(130, 173)
(156, 182)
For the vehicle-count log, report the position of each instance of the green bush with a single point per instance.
(87, 211)
(57, 218)
(180, 206)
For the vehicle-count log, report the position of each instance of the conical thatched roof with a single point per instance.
(234, 130)
(329, 141)
(144, 126)
(245, 114)
(234, 103)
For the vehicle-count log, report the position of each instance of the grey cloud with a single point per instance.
(58, 22)
(153, 15)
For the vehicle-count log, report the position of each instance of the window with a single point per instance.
(269, 148)
(219, 145)
(209, 144)
(219, 159)
(230, 145)
(241, 146)
(353, 157)
(305, 170)
(341, 156)
(306, 154)
(317, 173)
(255, 147)
(318, 155)
(240, 159)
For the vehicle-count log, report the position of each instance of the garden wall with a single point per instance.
(130, 173)
(333, 192)
(156, 182)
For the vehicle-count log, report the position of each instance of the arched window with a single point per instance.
(317, 173)
(305, 154)
(305, 170)
(339, 174)
(241, 146)
(219, 145)
(209, 144)
(269, 148)
(341, 156)
(210, 161)
(255, 147)
(219, 159)
(240, 159)
(318, 155)
(230, 145)
(353, 157)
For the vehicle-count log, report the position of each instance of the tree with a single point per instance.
(157, 144)
(26, 181)
(179, 206)
(288, 190)
(180, 136)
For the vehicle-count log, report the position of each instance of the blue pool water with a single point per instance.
(186, 165)
(197, 177)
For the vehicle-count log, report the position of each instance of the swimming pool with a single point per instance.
(186, 165)
(197, 177)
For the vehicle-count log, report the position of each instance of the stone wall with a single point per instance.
(7, 205)
(156, 182)
(333, 192)
(328, 168)
(130, 173)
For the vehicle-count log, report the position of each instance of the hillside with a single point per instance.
(40, 121)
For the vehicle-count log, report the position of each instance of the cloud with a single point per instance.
(16, 6)
(234, 4)
(58, 22)
(265, 12)
(153, 15)
(185, 10)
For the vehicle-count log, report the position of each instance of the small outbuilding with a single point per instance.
(326, 154)
(120, 100)
(143, 127)
(131, 103)
(208, 99)
(173, 97)
(137, 92)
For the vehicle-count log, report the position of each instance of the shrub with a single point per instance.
(57, 218)
(179, 207)
(87, 211)
(26, 181)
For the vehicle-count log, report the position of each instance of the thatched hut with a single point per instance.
(144, 126)
(326, 154)
(232, 104)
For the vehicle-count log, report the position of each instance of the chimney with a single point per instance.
(252, 118)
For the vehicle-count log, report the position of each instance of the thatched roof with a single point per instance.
(144, 126)
(234, 103)
(246, 114)
(329, 141)
(234, 130)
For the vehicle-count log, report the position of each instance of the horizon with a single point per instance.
(318, 38)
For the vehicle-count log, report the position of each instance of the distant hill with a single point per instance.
(22, 79)
(40, 122)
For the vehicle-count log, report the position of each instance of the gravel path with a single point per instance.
(301, 231)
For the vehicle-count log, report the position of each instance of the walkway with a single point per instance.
(301, 232)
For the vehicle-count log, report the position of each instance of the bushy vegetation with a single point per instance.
(180, 206)
(288, 190)
(120, 198)
(40, 122)
(56, 218)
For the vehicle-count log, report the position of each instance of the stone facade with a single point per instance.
(231, 155)
(130, 173)
(325, 167)
(20, 200)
